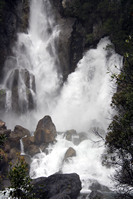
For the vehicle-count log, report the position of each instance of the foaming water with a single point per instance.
(87, 162)
(86, 96)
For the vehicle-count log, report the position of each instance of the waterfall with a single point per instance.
(81, 103)
(32, 78)
(22, 147)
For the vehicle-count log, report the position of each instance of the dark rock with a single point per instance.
(77, 45)
(45, 131)
(20, 132)
(33, 149)
(27, 141)
(14, 18)
(69, 153)
(13, 142)
(58, 186)
(30, 147)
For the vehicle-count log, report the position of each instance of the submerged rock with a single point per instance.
(69, 153)
(57, 186)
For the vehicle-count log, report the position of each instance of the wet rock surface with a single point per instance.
(57, 186)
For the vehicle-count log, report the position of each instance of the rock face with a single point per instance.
(45, 131)
(57, 186)
(92, 20)
(14, 18)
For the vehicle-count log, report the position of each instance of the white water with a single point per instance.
(83, 102)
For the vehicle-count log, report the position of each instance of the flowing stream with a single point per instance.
(81, 103)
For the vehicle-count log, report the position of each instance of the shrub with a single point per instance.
(20, 181)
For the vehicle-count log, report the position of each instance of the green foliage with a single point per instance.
(120, 132)
(20, 181)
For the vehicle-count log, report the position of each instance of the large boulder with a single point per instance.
(45, 131)
(57, 186)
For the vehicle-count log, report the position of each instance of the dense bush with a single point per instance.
(120, 131)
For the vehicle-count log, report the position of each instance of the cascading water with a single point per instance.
(31, 75)
(82, 103)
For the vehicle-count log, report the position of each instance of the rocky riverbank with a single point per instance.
(58, 185)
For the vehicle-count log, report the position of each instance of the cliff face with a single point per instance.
(87, 22)
(13, 19)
